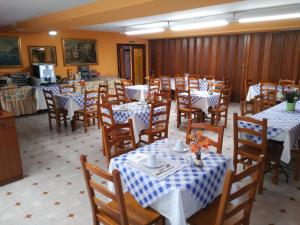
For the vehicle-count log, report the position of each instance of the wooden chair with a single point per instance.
(54, 112)
(158, 122)
(162, 97)
(180, 83)
(66, 88)
(121, 94)
(126, 82)
(215, 87)
(165, 85)
(297, 166)
(123, 208)
(193, 84)
(103, 89)
(233, 207)
(286, 82)
(152, 91)
(154, 83)
(219, 130)
(221, 110)
(249, 150)
(184, 107)
(89, 111)
(117, 143)
(269, 92)
(290, 87)
(209, 77)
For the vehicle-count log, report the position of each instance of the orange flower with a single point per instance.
(194, 147)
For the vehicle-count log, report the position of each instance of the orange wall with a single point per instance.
(106, 46)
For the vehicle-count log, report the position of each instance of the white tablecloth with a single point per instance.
(203, 99)
(179, 195)
(255, 90)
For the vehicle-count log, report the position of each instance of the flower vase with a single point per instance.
(290, 106)
(198, 161)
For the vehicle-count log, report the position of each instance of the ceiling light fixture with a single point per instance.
(52, 33)
(145, 31)
(269, 18)
(200, 25)
(150, 25)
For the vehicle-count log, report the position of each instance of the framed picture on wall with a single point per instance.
(80, 52)
(10, 53)
(42, 54)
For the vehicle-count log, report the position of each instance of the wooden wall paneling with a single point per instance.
(230, 56)
(239, 70)
(185, 56)
(275, 57)
(206, 56)
(191, 51)
(287, 58)
(165, 65)
(213, 56)
(197, 56)
(296, 63)
(254, 56)
(265, 57)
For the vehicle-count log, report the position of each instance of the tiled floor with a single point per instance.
(53, 190)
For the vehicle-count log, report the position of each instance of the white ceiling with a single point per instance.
(200, 12)
(13, 11)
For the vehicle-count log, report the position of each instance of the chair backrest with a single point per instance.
(152, 91)
(290, 87)
(101, 211)
(286, 82)
(209, 77)
(266, 87)
(160, 115)
(154, 83)
(162, 97)
(103, 89)
(106, 115)
(50, 101)
(219, 130)
(118, 139)
(183, 100)
(66, 88)
(244, 133)
(215, 87)
(224, 97)
(91, 98)
(120, 92)
(236, 205)
(165, 83)
(193, 84)
(180, 83)
(126, 82)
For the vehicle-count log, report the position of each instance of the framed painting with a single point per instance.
(80, 52)
(42, 54)
(10, 53)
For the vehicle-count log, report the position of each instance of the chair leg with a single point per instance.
(49, 119)
(262, 174)
(178, 119)
(161, 221)
(85, 122)
(297, 166)
(57, 119)
(225, 122)
(65, 120)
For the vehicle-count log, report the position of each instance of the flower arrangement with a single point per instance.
(291, 96)
(200, 142)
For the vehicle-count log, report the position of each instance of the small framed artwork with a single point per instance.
(42, 54)
(10, 53)
(80, 52)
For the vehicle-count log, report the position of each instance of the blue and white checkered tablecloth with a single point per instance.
(72, 102)
(255, 90)
(203, 184)
(134, 91)
(282, 126)
(203, 100)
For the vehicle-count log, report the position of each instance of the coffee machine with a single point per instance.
(44, 73)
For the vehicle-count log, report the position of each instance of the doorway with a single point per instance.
(132, 62)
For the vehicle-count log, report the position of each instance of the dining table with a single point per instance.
(203, 99)
(136, 92)
(283, 126)
(178, 188)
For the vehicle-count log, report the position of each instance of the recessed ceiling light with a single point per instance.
(200, 25)
(52, 33)
(269, 18)
(145, 31)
